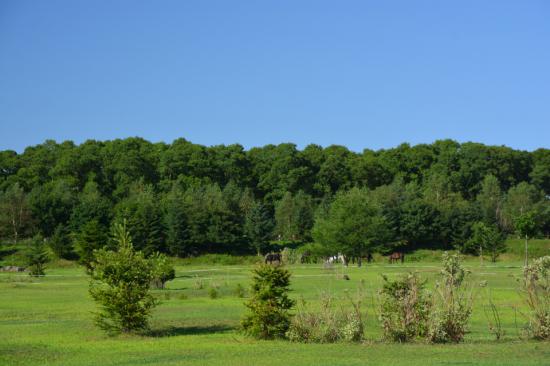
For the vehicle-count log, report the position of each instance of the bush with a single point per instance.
(269, 305)
(213, 293)
(327, 325)
(452, 305)
(404, 308)
(120, 283)
(239, 290)
(36, 256)
(163, 271)
(536, 287)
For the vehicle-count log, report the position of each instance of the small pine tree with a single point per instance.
(120, 284)
(36, 256)
(269, 305)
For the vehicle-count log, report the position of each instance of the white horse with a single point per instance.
(336, 259)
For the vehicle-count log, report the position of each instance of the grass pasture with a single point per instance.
(48, 321)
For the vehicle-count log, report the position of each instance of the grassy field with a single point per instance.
(48, 321)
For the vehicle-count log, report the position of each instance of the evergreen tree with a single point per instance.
(61, 242)
(258, 226)
(269, 304)
(36, 256)
(120, 284)
(91, 237)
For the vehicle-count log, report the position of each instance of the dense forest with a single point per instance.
(186, 199)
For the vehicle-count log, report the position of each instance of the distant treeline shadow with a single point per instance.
(192, 330)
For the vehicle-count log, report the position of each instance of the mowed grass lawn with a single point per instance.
(48, 321)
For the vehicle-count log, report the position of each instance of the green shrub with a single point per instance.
(239, 290)
(404, 308)
(213, 293)
(120, 284)
(536, 289)
(452, 303)
(268, 316)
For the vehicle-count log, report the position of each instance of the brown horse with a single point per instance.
(396, 256)
(273, 257)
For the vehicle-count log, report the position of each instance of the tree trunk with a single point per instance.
(359, 261)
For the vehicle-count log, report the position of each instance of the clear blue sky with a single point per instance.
(356, 73)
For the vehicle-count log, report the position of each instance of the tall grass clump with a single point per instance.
(404, 308)
(536, 290)
(452, 303)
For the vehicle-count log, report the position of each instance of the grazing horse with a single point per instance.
(396, 256)
(272, 257)
(369, 258)
(340, 258)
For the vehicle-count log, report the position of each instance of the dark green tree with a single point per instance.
(61, 242)
(488, 238)
(294, 216)
(90, 238)
(353, 226)
(258, 227)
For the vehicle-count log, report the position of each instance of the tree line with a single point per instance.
(186, 199)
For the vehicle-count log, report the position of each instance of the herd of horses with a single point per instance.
(339, 258)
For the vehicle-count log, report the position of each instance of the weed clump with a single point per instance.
(404, 308)
(329, 324)
(453, 302)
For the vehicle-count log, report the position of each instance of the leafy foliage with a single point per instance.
(185, 199)
(353, 225)
(487, 238)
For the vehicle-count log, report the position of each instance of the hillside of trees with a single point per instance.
(186, 199)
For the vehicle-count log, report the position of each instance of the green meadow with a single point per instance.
(49, 320)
